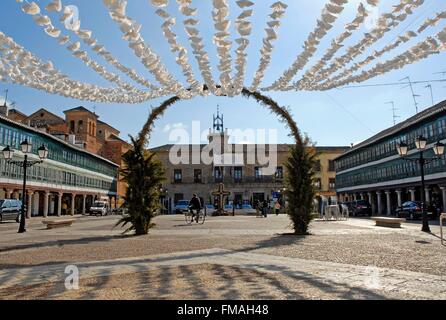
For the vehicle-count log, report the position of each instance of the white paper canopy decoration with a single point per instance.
(278, 10)
(418, 52)
(196, 42)
(74, 47)
(176, 48)
(87, 37)
(385, 23)
(22, 67)
(223, 44)
(131, 33)
(337, 66)
(377, 54)
(336, 44)
(329, 15)
(244, 29)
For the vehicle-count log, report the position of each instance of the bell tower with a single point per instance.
(218, 124)
(218, 134)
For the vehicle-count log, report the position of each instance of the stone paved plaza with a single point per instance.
(226, 258)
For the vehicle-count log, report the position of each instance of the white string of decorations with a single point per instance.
(377, 54)
(420, 51)
(74, 47)
(22, 67)
(385, 23)
(181, 51)
(131, 33)
(197, 45)
(222, 43)
(100, 49)
(329, 15)
(244, 28)
(336, 45)
(278, 9)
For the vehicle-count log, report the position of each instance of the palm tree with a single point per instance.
(143, 175)
(300, 189)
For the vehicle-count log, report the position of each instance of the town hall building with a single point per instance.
(244, 176)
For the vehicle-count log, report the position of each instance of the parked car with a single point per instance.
(412, 210)
(349, 206)
(100, 208)
(360, 208)
(181, 207)
(10, 209)
(119, 211)
(248, 209)
(210, 209)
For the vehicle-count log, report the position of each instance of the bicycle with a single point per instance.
(199, 216)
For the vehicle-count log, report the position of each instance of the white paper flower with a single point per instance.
(159, 3)
(31, 8)
(56, 5)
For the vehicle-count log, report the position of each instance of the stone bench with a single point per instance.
(388, 222)
(51, 224)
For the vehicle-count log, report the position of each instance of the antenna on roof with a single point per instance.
(94, 109)
(443, 73)
(6, 96)
(394, 116)
(414, 96)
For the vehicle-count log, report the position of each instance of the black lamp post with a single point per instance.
(25, 148)
(420, 144)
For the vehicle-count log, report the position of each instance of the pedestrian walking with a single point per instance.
(277, 207)
(265, 208)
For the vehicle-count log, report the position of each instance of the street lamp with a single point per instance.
(26, 148)
(420, 144)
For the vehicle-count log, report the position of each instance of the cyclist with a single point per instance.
(195, 204)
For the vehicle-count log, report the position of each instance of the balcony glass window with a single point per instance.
(258, 172)
(279, 173)
(238, 173)
(177, 175)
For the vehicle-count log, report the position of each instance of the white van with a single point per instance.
(100, 208)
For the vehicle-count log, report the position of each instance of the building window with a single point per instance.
(317, 166)
(238, 174)
(279, 173)
(331, 166)
(80, 126)
(258, 172)
(218, 174)
(317, 183)
(197, 176)
(177, 175)
(332, 184)
(72, 126)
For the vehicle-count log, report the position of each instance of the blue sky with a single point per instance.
(335, 117)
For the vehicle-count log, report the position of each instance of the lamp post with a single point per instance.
(420, 144)
(26, 148)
